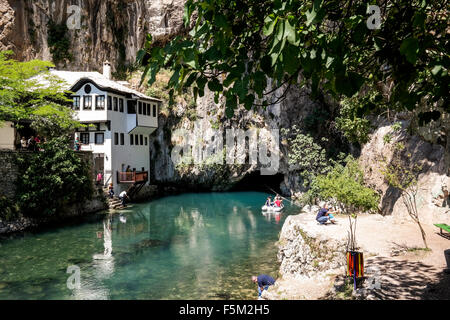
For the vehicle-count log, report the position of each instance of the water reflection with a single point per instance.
(193, 246)
(275, 216)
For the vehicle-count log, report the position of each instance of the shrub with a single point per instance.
(58, 41)
(345, 184)
(8, 210)
(51, 179)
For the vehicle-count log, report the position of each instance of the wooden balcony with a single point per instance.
(132, 177)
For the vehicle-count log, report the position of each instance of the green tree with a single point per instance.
(234, 47)
(51, 179)
(29, 92)
(345, 184)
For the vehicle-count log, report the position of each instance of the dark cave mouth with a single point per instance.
(254, 181)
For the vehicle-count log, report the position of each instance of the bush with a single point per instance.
(51, 179)
(58, 41)
(8, 210)
(345, 184)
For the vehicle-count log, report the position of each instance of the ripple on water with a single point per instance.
(192, 246)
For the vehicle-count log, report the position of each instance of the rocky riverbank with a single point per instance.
(312, 260)
(24, 223)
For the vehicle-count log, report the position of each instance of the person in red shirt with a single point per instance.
(278, 203)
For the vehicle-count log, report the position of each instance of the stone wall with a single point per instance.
(8, 173)
(8, 176)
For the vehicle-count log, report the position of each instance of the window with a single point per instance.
(154, 110)
(100, 103)
(144, 111)
(87, 105)
(148, 110)
(115, 104)
(116, 138)
(131, 140)
(136, 139)
(122, 139)
(142, 140)
(140, 108)
(99, 138)
(109, 103)
(146, 141)
(76, 103)
(131, 106)
(87, 89)
(121, 105)
(84, 137)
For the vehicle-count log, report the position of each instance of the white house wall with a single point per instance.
(7, 135)
(117, 156)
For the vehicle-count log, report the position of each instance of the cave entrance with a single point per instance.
(256, 182)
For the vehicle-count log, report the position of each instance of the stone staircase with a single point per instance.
(114, 203)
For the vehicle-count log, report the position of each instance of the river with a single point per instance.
(189, 246)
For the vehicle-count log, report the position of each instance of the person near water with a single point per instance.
(123, 196)
(278, 203)
(263, 281)
(111, 191)
(324, 215)
(331, 215)
(268, 202)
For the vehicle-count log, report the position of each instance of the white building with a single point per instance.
(120, 119)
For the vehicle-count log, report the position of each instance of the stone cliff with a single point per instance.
(114, 30)
(111, 30)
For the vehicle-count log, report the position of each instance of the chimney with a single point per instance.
(107, 69)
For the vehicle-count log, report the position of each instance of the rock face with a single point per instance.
(111, 30)
(114, 30)
(207, 124)
(434, 182)
(307, 250)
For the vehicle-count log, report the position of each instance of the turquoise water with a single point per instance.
(191, 246)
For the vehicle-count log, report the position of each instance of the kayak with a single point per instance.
(272, 209)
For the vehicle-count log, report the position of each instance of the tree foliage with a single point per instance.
(345, 184)
(29, 92)
(50, 179)
(245, 50)
(309, 159)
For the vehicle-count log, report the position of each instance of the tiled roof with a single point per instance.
(71, 78)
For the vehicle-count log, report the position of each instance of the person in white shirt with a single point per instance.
(123, 196)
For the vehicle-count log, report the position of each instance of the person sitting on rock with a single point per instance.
(263, 281)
